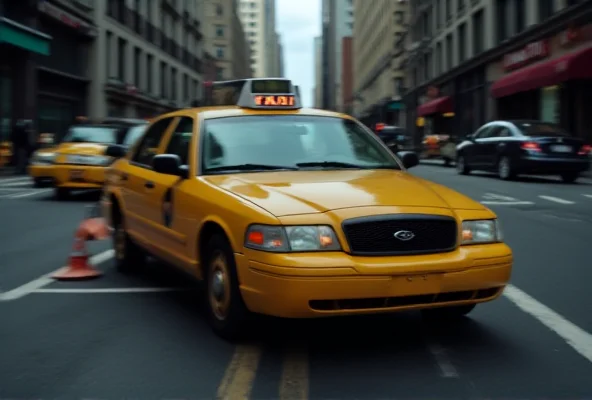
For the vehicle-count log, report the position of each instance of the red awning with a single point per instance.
(576, 65)
(437, 106)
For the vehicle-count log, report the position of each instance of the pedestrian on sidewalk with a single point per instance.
(21, 144)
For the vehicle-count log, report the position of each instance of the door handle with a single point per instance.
(149, 185)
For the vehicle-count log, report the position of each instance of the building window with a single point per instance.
(173, 84)
(448, 10)
(478, 29)
(219, 73)
(437, 13)
(460, 5)
(462, 43)
(253, 5)
(220, 52)
(163, 80)
(219, 10)
(121, 61)
(219, 31)
(108, 57)
(185, 88)
(546, 9)
(449, 52)
(502, 26)
(149, 72)
(520, 15)
(252, 24)
(137, 63)
(438, 62)
(399, 17)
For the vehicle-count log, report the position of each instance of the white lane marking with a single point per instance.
(19, 179)
(557, 200)
(46, 279)
(493, 196)
(507, 203)
(576, 337)
(112, 290)
(18, 196)
(447, 369)
(29, 183)
(588, 196)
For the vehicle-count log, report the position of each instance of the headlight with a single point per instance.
(296, 238)
(483, 231)
(43, 158)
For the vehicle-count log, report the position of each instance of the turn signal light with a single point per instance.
(530, 146)
(585, 150)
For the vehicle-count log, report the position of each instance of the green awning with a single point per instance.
(18, 35)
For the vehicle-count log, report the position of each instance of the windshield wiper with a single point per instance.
(251, 167)
(339, 164)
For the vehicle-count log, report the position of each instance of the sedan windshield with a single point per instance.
(540, 129)
(288, 142)
(91, 134)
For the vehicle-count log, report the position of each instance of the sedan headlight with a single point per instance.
(296, 238)
(481, 231)
(43, 158)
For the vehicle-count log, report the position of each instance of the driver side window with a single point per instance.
(149, 144)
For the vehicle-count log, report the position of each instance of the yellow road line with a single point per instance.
(240, 374)
(294, 380)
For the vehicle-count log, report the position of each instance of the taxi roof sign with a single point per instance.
(261, 93)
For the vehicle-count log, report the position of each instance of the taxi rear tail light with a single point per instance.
(585, 150)
(531, 146)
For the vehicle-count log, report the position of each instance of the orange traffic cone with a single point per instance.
(78, 266)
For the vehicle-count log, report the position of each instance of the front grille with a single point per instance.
(375, 235)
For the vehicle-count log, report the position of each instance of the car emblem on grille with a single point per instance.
(404, 235)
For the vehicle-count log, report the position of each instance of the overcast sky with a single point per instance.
(298, 22)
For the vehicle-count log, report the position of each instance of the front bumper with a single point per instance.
(534, 165)
(41, 172)
(468, 275)
(90, 177)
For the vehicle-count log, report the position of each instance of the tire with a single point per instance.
(453, 312)
(461, 165)
(447, 162)
(38, 183)
(129, 257)
(505, 171)
(62, 194)
(226, 310)
(570, 177)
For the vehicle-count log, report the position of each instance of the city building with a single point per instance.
(378, 52)
(258, 18)
(147, 59)
(471, 61)
(318, 72)
(347, 75)
(44, 67)
(225, 40)
(337, 23)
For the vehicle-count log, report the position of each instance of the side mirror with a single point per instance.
(116, 151)
(169, 164)
(409, 158)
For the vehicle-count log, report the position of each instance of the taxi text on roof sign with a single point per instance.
(268, 93)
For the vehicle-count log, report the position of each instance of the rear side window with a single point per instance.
(541, 129)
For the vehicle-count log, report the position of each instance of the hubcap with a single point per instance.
(120, 243)
(219, 287)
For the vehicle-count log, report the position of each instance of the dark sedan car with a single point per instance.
(394, 137)
(523, 147)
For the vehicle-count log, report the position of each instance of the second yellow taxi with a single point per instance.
(297, 213)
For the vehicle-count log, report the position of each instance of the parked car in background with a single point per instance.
(396, 138)
(517, 147)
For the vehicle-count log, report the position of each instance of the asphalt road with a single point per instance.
(144, 337)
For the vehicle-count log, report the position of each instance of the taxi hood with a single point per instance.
(307, 192)
(91, 149)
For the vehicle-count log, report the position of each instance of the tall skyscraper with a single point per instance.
(258, 18)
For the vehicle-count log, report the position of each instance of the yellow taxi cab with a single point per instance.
(5, 153)
(297, 213)
(79, 160)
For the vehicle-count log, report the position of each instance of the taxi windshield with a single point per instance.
(91, 134)
(290, 142)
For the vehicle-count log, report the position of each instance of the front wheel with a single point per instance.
(128, 256)
(461, 165)
(453, 312)
(570, 177)
(505, 170)
(62, 194)
(226, 309)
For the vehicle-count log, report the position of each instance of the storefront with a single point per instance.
(63, 75)
(550, 79)
(436, 113)
(387, 111)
